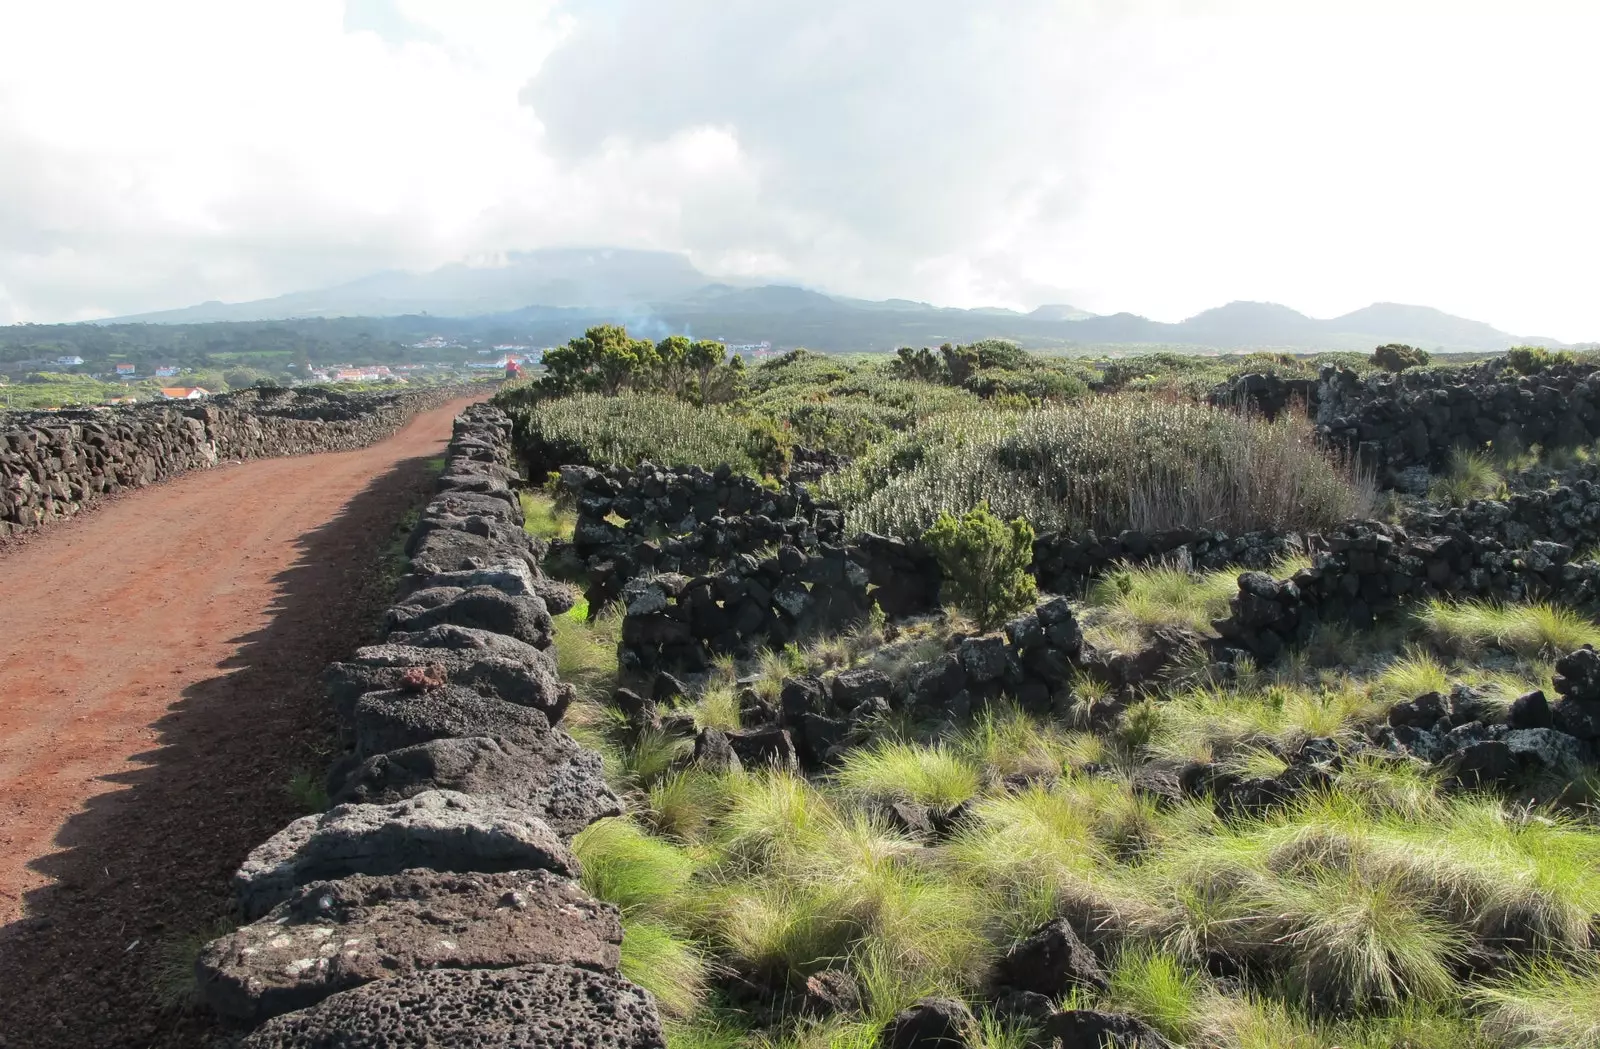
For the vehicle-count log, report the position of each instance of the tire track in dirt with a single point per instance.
(159, 665)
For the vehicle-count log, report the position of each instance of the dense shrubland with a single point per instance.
(1109, 463)
(1320, 884)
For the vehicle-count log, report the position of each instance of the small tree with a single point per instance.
(1397, 357)
(985, 563)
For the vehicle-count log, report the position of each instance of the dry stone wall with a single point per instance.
(437, 901)
(1415, 418)
(53, 464)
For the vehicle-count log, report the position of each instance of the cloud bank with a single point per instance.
(1145, 156)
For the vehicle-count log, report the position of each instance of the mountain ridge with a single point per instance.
(560, 289)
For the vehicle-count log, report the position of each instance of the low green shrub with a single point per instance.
(985, 563)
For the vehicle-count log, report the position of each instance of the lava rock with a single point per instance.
(1051, 961)
(714, 753)
(483, 608)
(1092, 1029)
(556, 779)
(764, 747)
(528, 1007)
(441, 829)
(385, 721)
(1529, 711)
(330, 936)
(932, 1023)
(831, 992)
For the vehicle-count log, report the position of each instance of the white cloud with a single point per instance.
(1159, 157)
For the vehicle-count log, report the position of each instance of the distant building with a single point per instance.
(126, 369)
(69, 361)
(184, 393)
(166, 371)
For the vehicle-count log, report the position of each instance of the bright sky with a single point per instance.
(1156, 157)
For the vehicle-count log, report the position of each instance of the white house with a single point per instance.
(184, 393)
(69, 361)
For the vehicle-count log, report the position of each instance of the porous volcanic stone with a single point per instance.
(1051, 962)
(932, 1023)
(1092, 1029)
(528, 682)
(385, 721)
(482, 607)
(530, 1007)
(465, 638)
(556, 779)
(440, 829)
(330, 936)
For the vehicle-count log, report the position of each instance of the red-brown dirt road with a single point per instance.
(159, 665)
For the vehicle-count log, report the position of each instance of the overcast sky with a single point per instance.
(1156, 157)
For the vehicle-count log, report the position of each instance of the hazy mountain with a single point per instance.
(558, 277)
(553, 294)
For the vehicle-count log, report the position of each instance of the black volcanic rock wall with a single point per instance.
(1415, 418)
(437, 903)
(52, 464)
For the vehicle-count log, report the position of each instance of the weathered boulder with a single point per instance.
(467, 639)
(529, 682)
(1531, 710)
(439, 829)
(510, 576)
(1051, 961)
(453, 545)
(714, 753)
(329, 936)
(529, 1007)
(1544, 750)
(1092, 1029)
(481, 607)
(932, 1023)
(765, 747)
(553, 777)
(385, 721)
(851, 688)
(831, 992)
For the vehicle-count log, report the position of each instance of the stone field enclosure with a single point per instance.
(963, 698)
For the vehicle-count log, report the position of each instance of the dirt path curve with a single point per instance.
(158, 688)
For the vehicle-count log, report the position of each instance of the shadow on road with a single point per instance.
(145, 870)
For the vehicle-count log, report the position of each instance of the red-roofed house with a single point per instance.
(184, 393)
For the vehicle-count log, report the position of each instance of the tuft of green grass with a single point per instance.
(1141, 598)
(1544, 1005)
(1414, 674)
(541, 517)
(644, 876)
(1470, 475)
(717, 707)
(1533, 630)
(172, 977)
(1345, 938)
(1002, 741)
(585, 650)
(666, 965)
(307, 790)
(683, 804)
(1158, 988)
(928, 775)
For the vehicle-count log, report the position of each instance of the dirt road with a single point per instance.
(158, 690)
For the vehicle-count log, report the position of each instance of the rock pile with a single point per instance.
(435, 903)
(52, 464)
